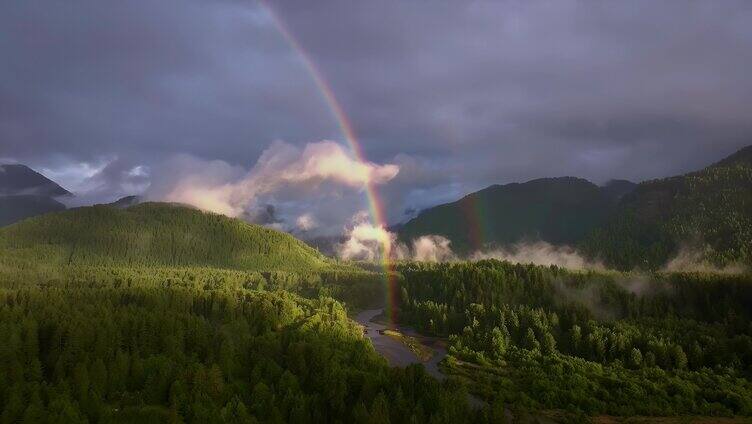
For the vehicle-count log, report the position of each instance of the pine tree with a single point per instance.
(635, 358)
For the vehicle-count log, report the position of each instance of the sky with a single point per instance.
(207, 101)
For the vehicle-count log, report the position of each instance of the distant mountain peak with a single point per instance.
(126, 202)
(18, 179)
(617, 182)
(538, 183)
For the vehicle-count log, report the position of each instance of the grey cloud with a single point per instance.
(460, 94)
(263, 215)
(143, 79)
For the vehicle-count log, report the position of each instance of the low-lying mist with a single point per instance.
(539, 253)
(365, 241)
(693, 259)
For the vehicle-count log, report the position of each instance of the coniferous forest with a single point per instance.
(97, 329)
(94, 332)
(592, 343)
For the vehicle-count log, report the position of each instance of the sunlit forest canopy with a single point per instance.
(156, 234)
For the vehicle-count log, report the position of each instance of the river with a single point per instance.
(397, 354)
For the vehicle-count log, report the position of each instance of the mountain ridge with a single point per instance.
(626, 225)
(25, 193)
(543, 208)
(19, 179)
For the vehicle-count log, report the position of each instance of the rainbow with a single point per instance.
(472, 211)
(376, 206)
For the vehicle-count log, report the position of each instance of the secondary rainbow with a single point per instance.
(376, 206)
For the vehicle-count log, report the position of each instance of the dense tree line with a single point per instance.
(356, 289)
(658, 344)
(106, 346)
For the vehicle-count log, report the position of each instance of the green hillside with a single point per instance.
(558, 210)
(708, 211)
(154, 234)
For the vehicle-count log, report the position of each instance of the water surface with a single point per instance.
(397, 354)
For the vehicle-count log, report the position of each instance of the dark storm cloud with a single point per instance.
(90, 78)
(505, 91)
(459, 94)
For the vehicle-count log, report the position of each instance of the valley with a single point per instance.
(503, 341)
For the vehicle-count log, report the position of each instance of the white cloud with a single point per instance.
(77, 176)
(218, 187)
(368, 242)
(306, 222)
(432, 248)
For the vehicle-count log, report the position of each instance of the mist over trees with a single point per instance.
(589, 342)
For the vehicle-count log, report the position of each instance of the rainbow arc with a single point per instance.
(376, 206)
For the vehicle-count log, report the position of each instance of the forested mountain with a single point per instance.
(705, 214)
(557, 210)
(155, 234)
(19, 179)
(708, 212)
(18, 207)
(743, 157)
(25, 193)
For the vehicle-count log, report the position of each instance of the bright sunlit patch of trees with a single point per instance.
(108, 346)
(155, 234)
